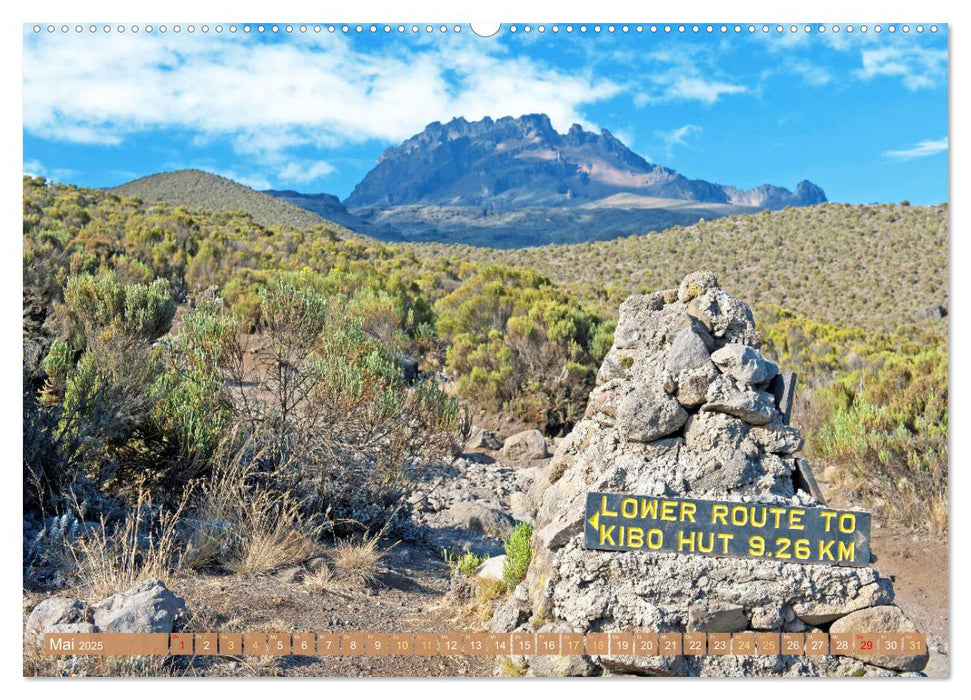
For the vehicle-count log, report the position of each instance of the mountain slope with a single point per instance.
(329, 207)
(872, 266)
(520, 162)
(202, 190)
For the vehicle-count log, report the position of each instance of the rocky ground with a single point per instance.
(685, 406)
(470, 504)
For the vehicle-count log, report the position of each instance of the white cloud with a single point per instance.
(916, 67)
(681, 136)
(269, 96)
(707, 91)
(921, 150)
(35, 168)
(811, 73)
(303, 171)
(689, 74)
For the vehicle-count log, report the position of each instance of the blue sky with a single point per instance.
(863, 115)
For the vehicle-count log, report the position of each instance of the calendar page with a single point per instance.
(438, 349)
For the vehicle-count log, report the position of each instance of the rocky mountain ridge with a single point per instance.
(524, 161)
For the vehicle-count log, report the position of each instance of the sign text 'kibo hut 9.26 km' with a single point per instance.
(620, 522)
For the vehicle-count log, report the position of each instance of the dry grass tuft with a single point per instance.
(245, 529)
(322, 579)
(112, 560)
(359, 560)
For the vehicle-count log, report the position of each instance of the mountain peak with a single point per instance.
(512, 162)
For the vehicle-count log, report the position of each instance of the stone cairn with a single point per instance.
(683, 408)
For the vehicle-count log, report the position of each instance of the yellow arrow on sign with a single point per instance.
(595, 520)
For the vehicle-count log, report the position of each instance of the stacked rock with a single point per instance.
(681, 408)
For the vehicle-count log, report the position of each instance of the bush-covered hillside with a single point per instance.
(167, 346)
(198, 189)
(872, 266)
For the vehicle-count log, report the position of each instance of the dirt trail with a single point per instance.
(409, 599)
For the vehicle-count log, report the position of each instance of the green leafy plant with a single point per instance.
(519, 554)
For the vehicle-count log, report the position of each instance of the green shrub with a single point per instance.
(95, 303)
(519, 343)
(519, 553)
(465, 563)
(192, 402)
(326, 406)
(886, 435)
(97, 389)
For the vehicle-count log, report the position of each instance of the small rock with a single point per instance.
(692, 385)
(883, 618)
(482, 439)
(819, 613)
(55, 611)
(559, 532)
(688, 351)
(725, 395)
(669, 296)
(696, 284)
(744, 363)
(471, 515)
(146, 607)
(709, 431)
(725, 317)
(529, 444)
(767, 618)
(717, 617)
(509, 615)
(648, 415)
(777, 438)
(492, 568)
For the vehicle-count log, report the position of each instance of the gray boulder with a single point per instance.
(529, 444)
(146, 607)
(744, 363)
(492, 568)
(473, 515)
(56, 612)
(649, 414)
(883, 618)
(725, 395)
(688, 351)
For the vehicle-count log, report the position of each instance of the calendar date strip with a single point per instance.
(608, 644)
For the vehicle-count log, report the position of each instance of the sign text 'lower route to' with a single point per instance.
(621, 522)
